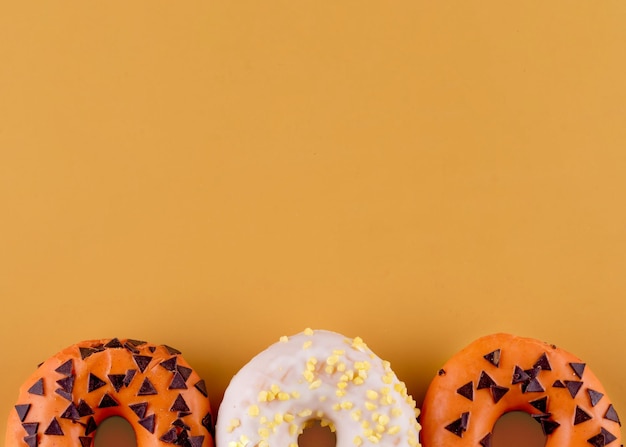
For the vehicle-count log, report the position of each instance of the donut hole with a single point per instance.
(316, 435)
(115, 431)
(517, 429)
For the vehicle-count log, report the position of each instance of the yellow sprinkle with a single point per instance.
(396, 412)
(307, 344)
(295, 394)
(244, 439)
(288, 417)
(383, 419)
(357, 441)
(371, 394)
(322, 398)
(308, 331)
(370, 406)
(315, 384)
(263, 444)
(308, 375)
(329, 369)
(341, 367)
(275, 388)
(386, 365)
(358, 381)
(340, 392)
(358, 343)
(336, 406)
(394, 430)
(278, 417)
(283, 396)
(264, 433)
(356, 415)
(319, 414)
(380, 428)
(293, 429)
(305, 413)
(284, 339)
(386, 400)
(232, 444)
(262, 397)
(388, 379)
(253, 410)
(342, 385)
(347, 405)
(373, 439)
(332, 360)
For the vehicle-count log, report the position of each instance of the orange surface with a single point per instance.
(212, 175)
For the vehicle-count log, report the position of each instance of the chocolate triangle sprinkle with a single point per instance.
(497, 392)
(91, 426)
(611, 415)
(467, 391)
(86, 352)
(54, 428)
(147, 389)
(540, 404)
(543, 363)
(179, 404)
(573, 387)
(594, 396)
(31, 441)
(608, 436)
(493, 357)
(117, 380)
(84, 409)
(37, 388)
(85, 441)
(22, 411)
(107, 401)
(184, 371)
(129, 376)
(139, 409)
(455, 427)
(169, 364)
(64, 394)
(581, 416)
(114, 343)
(196, 441)
(207, 422)
(66, 368)
(486, 441)
(485, 381)
(201, 386)
(519, 376)
(178, 383)
(534, 386)
(95, 382)
(142, 361)
(171, 350)
(31, 427)
(67, 384)
(71, 412)
(548, 426)
(558, 384)
(148, 423)
(579, 369)
(169, 436)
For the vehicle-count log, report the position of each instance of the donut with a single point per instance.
(316, 375)
(150, 386)
(500, 373)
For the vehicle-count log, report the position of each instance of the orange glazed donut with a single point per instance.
(501, 373)
(151, 386)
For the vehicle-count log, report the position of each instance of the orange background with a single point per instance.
(215, 174)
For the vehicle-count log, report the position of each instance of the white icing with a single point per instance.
(316, 375)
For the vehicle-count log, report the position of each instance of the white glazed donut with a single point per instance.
(317, 375)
